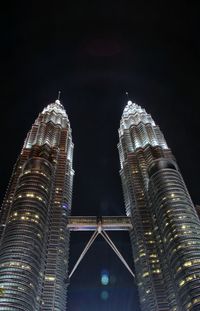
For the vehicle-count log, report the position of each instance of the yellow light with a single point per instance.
(145, 274)
(50, 278)
(181, 283)
(187, 264)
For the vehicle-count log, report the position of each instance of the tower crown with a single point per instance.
(132, 108)
(56, 107)
(46, 128)
(134, 114)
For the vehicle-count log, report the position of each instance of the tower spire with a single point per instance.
(59, 92)
(127, 95)
(129, 101)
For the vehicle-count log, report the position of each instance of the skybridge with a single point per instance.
(99, 225)
(92, 223)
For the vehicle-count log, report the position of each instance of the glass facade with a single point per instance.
(34, 246)
(34, 218)
(166, 230)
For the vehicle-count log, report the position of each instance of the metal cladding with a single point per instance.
(166, 230)
(35, 223)
(34, 237)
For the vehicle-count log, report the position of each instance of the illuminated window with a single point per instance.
(30, 195)
(145, 274)
(157, 271)
(196, 300)
(50, 278)
(188, 264)
(153, 256)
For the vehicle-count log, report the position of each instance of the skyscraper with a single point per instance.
(34, 246)
(166, 230)
(34, 238)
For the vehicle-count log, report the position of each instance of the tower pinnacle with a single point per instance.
(59, 92)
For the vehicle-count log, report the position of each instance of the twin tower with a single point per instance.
(164, 231)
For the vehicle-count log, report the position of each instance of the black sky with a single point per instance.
(93, 51)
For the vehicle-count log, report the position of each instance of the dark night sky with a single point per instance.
(93, 52)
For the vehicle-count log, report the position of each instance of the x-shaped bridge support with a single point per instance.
(100, 225)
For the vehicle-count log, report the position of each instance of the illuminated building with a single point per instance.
(198, 209)
(166, 230)
(35, 223)
(34, 238)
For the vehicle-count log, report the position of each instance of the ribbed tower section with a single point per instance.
(166, 235)
(34, 247)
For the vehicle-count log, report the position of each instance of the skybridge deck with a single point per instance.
(92, 223)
